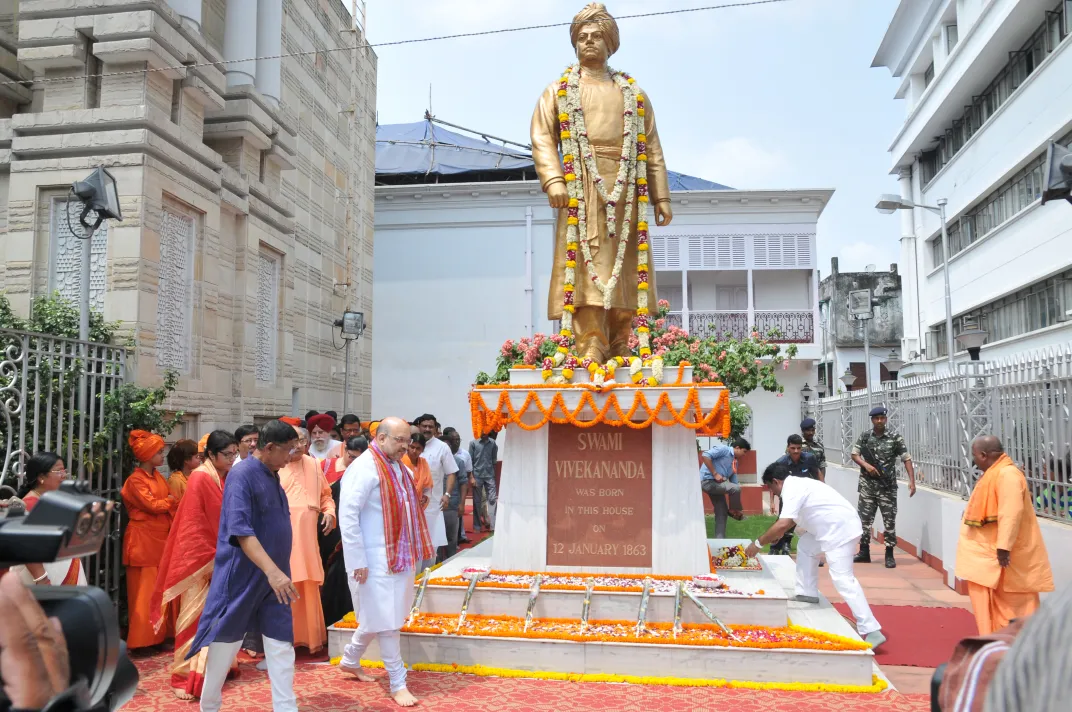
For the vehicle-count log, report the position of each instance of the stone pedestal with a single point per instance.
(602, 499)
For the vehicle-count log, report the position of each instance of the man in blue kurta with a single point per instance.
(251, 590)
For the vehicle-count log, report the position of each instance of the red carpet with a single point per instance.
(918, 636)
(324, 689)
(474, 537)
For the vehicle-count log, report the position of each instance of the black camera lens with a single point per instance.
(85, 520)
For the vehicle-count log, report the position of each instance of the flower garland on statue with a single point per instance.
(631, 180)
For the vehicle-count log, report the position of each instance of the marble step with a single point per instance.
(681, 661)
(769, 609)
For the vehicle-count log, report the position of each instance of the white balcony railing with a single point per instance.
(794, 326)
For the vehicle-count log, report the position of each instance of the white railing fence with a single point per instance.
(1024, 400)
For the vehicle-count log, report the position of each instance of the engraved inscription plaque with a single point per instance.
(598, 496)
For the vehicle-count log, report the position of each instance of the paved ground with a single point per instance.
(912, 583)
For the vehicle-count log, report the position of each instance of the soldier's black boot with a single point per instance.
(890, 563)
(864, 557)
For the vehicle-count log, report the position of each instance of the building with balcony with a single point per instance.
(986, 85)
(841, 337)
(463, 261)
(245, 182)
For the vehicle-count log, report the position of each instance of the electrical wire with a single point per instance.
(394, 43)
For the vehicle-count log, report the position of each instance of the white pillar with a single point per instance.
(685, 299)
(910, 275)
(751, 303)
(189, 10)
(240, 42)
(269, 44)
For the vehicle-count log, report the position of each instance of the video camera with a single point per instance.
(68, 523)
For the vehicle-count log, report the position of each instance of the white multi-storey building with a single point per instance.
(463, 261)
(986, 85)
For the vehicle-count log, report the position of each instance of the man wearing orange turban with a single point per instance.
(150, 507)
(291, 420)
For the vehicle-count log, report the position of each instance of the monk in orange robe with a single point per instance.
(1000, 552)
(309, 496)
(150, 507)
(186, 568)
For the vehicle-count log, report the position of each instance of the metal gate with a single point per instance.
(53, 397)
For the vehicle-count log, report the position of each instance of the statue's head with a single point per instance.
(594, 33)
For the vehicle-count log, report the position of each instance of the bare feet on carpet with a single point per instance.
(356, 672)
(404, 698)
(181, 693)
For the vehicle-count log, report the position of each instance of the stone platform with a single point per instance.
(771, 608)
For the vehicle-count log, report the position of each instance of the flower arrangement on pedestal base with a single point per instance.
(877, 683)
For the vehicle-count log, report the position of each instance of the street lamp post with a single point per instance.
(847, 379)
(893, 364)
(887, 204)
(972, 339)
(352, 325)
(806, 393)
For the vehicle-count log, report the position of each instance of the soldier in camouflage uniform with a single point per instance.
(876, 452)
(807, 431)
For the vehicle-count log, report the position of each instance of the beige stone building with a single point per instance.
(246, 187)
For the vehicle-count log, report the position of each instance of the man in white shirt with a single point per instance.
(465, 477)
(443, 468)
(827, 524)
(384, 539)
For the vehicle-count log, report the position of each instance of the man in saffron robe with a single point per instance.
(150, 507)
(384, 538)
(251, 590)
(309, 496)
(1000, 552)
(186, 568)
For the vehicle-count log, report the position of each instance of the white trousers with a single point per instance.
(390, 652)
(279, 656)
(839, 564)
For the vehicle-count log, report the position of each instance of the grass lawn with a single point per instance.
(748, 528)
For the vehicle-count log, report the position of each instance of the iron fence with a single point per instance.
(1024, 400)
(52, 399)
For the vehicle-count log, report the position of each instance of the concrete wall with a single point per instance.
(883, 330)
(929, 523)
(213, 181)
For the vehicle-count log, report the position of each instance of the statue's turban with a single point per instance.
(596, 12)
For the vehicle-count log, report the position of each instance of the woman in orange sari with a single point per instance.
(186, 567)
(418, 467)
(44, 473)
(150, 507)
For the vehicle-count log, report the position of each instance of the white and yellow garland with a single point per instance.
(631, 180)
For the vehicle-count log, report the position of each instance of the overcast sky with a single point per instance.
(775, 96)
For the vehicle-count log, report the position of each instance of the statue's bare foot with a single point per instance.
(404, 698)
(181, 693)
(356, 672)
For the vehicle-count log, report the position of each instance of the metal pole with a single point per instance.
(83, 313)
(83, 336)
(948, 300)
(867, 361)
(346, 380)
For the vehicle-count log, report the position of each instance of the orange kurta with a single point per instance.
(177, 483)
(309, 496)
(998, 594)
(149, 509)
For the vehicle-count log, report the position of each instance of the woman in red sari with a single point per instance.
(44, 472)
(186, 568)
(150, 506)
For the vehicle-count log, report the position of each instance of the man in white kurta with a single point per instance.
(443, 468)
(827, 524)
(384, 584)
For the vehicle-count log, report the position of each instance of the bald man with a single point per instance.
(1000, 552)
(384, 539)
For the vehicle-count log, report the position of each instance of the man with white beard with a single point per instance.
(384, 539)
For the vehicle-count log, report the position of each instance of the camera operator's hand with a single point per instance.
(33, 653)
